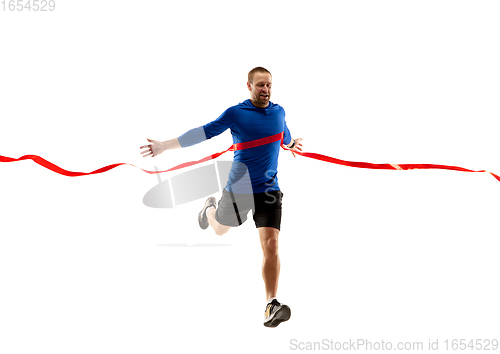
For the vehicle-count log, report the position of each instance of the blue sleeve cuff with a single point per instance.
(192, 137)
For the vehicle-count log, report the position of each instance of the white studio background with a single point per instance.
(381, 255)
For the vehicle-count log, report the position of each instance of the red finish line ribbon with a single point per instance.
(385, 166)
(241, 146)
(49, 165)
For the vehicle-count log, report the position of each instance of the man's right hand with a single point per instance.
(153, 149)
(157, 147)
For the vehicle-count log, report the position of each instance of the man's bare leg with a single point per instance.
(271, 261)
(218, 228)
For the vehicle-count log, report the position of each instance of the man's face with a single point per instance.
(260, 90)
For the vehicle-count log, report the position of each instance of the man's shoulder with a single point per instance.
(231, 110)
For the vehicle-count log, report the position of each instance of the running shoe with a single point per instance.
(276, 313)
(202, 216)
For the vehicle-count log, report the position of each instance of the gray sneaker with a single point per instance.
(276, 313)
(202, 216)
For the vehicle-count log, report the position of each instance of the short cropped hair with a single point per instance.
(258, 69)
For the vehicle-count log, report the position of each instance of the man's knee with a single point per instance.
(271, 246)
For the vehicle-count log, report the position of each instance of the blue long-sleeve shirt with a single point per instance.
(248, 123)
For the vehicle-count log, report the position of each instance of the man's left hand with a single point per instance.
(297, 146)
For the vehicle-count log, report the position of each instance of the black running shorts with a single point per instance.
(266, 208)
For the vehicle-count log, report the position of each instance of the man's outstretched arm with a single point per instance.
(157, 147)
(191, 137)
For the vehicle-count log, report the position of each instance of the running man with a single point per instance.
(253, 182)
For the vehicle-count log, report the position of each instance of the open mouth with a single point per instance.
(264, 96)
